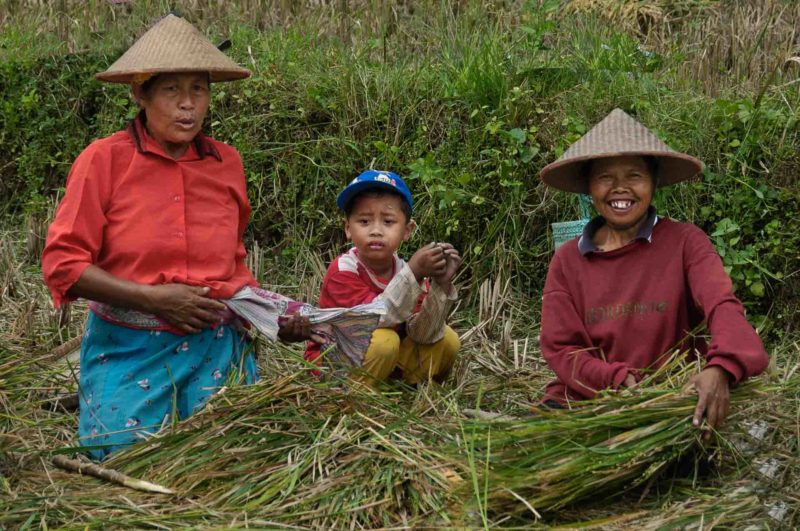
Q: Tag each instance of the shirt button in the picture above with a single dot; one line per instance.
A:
(177, 198)
(179, 234)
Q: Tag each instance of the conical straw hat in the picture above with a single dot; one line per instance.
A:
(172, 45)
(617, 134)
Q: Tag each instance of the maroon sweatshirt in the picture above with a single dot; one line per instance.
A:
(606, 314)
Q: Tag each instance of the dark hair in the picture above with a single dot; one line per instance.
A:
(378, 192)
(148, 84)
(652, 166)
(650, 161)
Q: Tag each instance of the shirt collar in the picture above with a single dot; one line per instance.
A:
(379, 281)
(586, 244)
(143, 142)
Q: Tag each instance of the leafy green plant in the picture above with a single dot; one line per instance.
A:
(468, 106)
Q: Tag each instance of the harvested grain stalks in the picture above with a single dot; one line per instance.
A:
(555, 459)
(292, 451)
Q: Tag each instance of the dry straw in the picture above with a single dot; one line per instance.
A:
(292, 451)
(295, 452)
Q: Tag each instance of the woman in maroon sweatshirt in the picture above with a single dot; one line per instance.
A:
(635, 286)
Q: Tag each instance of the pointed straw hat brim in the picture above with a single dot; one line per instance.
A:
(172, 45)
(618, 135)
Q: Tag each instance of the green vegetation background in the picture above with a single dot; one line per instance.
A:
(467, 100)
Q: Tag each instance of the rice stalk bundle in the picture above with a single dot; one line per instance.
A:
(524, 468)
(284, 452)
(706, 507)
(292, 451)
(696, 507)
(27, 383)
(761, 489)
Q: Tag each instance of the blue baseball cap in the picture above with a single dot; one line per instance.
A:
(371, 180)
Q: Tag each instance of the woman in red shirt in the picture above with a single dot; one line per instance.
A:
(150, 231)
(635, 287)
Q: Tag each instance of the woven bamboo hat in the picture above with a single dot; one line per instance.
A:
(172, 45)
(616, 135)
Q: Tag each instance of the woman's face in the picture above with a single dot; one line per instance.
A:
(621, 189)
(175, 105)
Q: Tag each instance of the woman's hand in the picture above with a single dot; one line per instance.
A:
(295, 327)
(629, 381)
(713, 397)
(187, 308)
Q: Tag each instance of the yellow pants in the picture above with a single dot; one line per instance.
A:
(418, 362)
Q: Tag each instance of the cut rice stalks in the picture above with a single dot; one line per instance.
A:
(289, 452)
(526, 468)
(293, 451)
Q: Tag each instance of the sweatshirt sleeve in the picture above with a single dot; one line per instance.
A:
(75, 237)
(565, 342)
(735, 345)
(428, 325)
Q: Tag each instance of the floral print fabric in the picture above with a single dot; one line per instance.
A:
(133, 382)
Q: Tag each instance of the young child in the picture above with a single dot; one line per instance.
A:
(413, 340)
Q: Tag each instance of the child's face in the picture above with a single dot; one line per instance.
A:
(377, 226)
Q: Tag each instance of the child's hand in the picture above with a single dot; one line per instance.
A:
(453, 264)
(428, 261)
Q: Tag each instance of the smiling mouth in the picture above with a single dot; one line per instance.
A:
(621, 205)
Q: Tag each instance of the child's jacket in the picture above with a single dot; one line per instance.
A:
(422, 308)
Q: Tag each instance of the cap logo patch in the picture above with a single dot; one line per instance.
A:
(384, 179)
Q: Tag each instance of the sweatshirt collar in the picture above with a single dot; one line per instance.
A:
(145, 144)
(586, 242)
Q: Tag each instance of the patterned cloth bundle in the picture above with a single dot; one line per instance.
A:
(348, 330)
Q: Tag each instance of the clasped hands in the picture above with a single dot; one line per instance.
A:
(439, 261)
(191, 310)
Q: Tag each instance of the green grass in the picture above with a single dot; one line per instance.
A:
(468, 106)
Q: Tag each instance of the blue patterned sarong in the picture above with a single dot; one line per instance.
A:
(133, 382)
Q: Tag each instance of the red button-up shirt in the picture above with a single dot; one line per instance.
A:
(140, 215)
